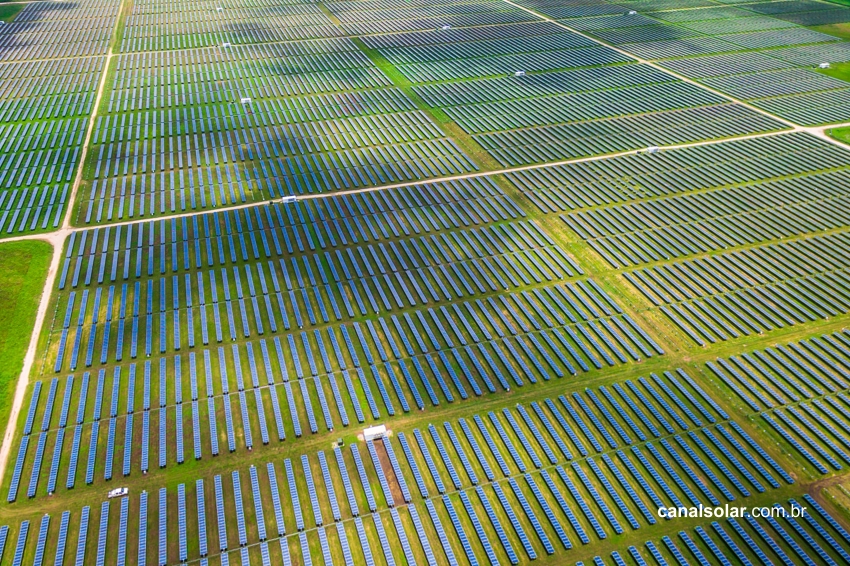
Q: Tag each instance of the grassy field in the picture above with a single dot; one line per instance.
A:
(837, 70)
(23, 268)
(839, 30)
(8, 12)
(841, 134)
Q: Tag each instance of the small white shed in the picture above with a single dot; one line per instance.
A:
(373, 432)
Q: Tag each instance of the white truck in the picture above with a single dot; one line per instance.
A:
(117, 492)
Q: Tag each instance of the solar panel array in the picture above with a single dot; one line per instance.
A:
(51, 63)
(163, 99)
(690, 438)
(770, 197)
(571, 112)
(516, 337)
(758, 53)
(801, 295)
(303, 320)
(788, 536)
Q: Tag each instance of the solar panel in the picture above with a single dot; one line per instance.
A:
(265, 557)
(293, 494)
(36, 467)
(95, 428)
(219, 508)
(33, 407)
(16, 473)
(261, 417)
(181, 523)
(145, 441)
(143, 528)
(308, 406)
(429, 461)
(495, 523)
(603, 479)
(383, 539)
(689, 471)
(102, 534)
(718, 464)
(414, 467)
(38, 558)
(246, 422)
(352, 394)
(482, 460)
(382, 479)
(343, 542)
(547, 510)
(441, 533)
(827, 517)
(258, 503)
(532, 518)
(491, 445)
(364, 541)
(278, 417)
(196, 431)
(20, 545)
(346, 482)
(240, 511)
(397, 470)
(122, 531)
(83, 536)
(470, 472)
(306, 558)
(323, 402)
(110, 449)
(323, 544)
(591, 518)
(461, 533)
(163, 418)
(594, 420)
(61, 541)
(284, 551)
(162, 513)
(48, 405)
(672, 473)
(228, 421)
(741, 450)
(278, 510)
(293, 409)
(402, 537)
(364, 478)
(497, 424)
(201, 502)
(644, 485)
(329, 486)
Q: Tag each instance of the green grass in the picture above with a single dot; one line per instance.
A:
(9, 11)
(23, 269)
(840, 134)
(837, 70)
(838, 30)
